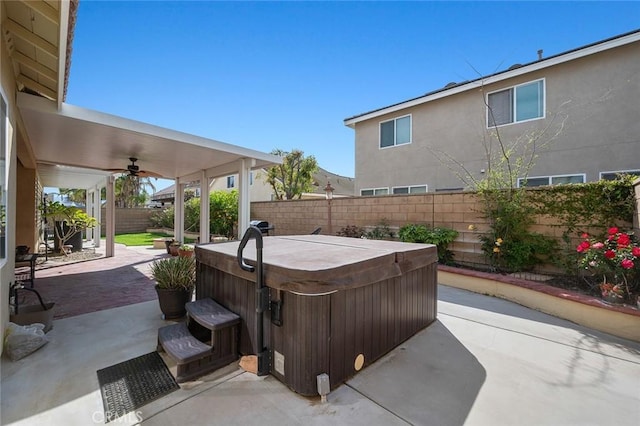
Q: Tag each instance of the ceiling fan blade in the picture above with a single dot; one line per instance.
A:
(146, 173)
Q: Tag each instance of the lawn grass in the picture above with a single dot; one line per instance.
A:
(143, 238)
(139, 239)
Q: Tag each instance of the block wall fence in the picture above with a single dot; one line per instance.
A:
(452, 210)
(131, 220)
(456, 210)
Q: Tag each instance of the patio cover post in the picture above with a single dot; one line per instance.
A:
(204, 207)
(97, 213)
(178, 216)
(111, 218)
(89, 209)
(244, 200)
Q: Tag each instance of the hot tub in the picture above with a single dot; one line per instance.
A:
(336, 304)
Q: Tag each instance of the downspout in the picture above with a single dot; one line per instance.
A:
(262, 295)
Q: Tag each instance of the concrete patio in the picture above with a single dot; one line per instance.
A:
(485, 361)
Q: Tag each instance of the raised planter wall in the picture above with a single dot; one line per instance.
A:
(592, 312)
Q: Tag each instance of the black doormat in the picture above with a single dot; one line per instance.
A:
(131, 384)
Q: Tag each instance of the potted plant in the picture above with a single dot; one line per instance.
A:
(174, 246)
(616, 258)
(68, 222)
(168, 243)
(185, 250)
(175, 280)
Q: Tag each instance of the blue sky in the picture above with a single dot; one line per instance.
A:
(267, 75)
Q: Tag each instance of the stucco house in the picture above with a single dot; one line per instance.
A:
(578, 110)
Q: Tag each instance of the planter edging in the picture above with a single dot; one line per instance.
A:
(622, 321)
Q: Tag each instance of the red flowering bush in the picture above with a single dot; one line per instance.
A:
(616, 257)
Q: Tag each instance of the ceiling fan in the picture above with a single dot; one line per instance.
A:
(134, 170)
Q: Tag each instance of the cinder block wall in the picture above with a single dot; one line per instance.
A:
(636, 217)
(458, 210)
(129, 220)
(451, 210)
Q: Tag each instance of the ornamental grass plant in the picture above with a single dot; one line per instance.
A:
(174, 273)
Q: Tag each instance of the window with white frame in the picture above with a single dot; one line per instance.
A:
(395, 132)
(231, 181)
(4, 179)
(614, 175)
(519, 103)
(551, 180)
(374, 191)
(413, 189)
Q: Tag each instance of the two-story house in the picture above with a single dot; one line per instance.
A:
(260, 190)
(578, 112)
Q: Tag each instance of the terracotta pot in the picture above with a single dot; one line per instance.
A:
(173, 301)
(173, 250)
(185, 253)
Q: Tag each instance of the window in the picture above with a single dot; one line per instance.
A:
(551, 180)
(560, 180)
(231, 181)
(415, 189)
(395, 132)
(4, 118)
(374, 191)
(515, 104)
(614, 175)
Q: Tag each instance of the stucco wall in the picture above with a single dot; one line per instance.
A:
(8, 86)
(27, 208)
(590, 126)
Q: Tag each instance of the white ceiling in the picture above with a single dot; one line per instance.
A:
(86, 139)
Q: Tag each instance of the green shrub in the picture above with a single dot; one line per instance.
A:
(440, 237)
(163, 218)
(380, 232)
(509, 245)
(351, 231)
(223, 214)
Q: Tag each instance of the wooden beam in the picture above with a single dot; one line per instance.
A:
(34, 85)
(36, 66)
(43, 9)
(32, 38)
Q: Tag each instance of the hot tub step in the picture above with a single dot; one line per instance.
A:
(190, 354)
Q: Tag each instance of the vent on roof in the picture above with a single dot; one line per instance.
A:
(514, 66)
(453, 83)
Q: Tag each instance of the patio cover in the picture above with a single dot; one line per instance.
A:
(74, 147)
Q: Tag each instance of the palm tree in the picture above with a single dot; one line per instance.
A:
(77, 196)
(131, 191)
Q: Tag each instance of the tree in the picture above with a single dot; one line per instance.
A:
(68, 221)
(77, 196)
(131, 191)
(294, 176)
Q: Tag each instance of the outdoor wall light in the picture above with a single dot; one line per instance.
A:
(328, 191)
